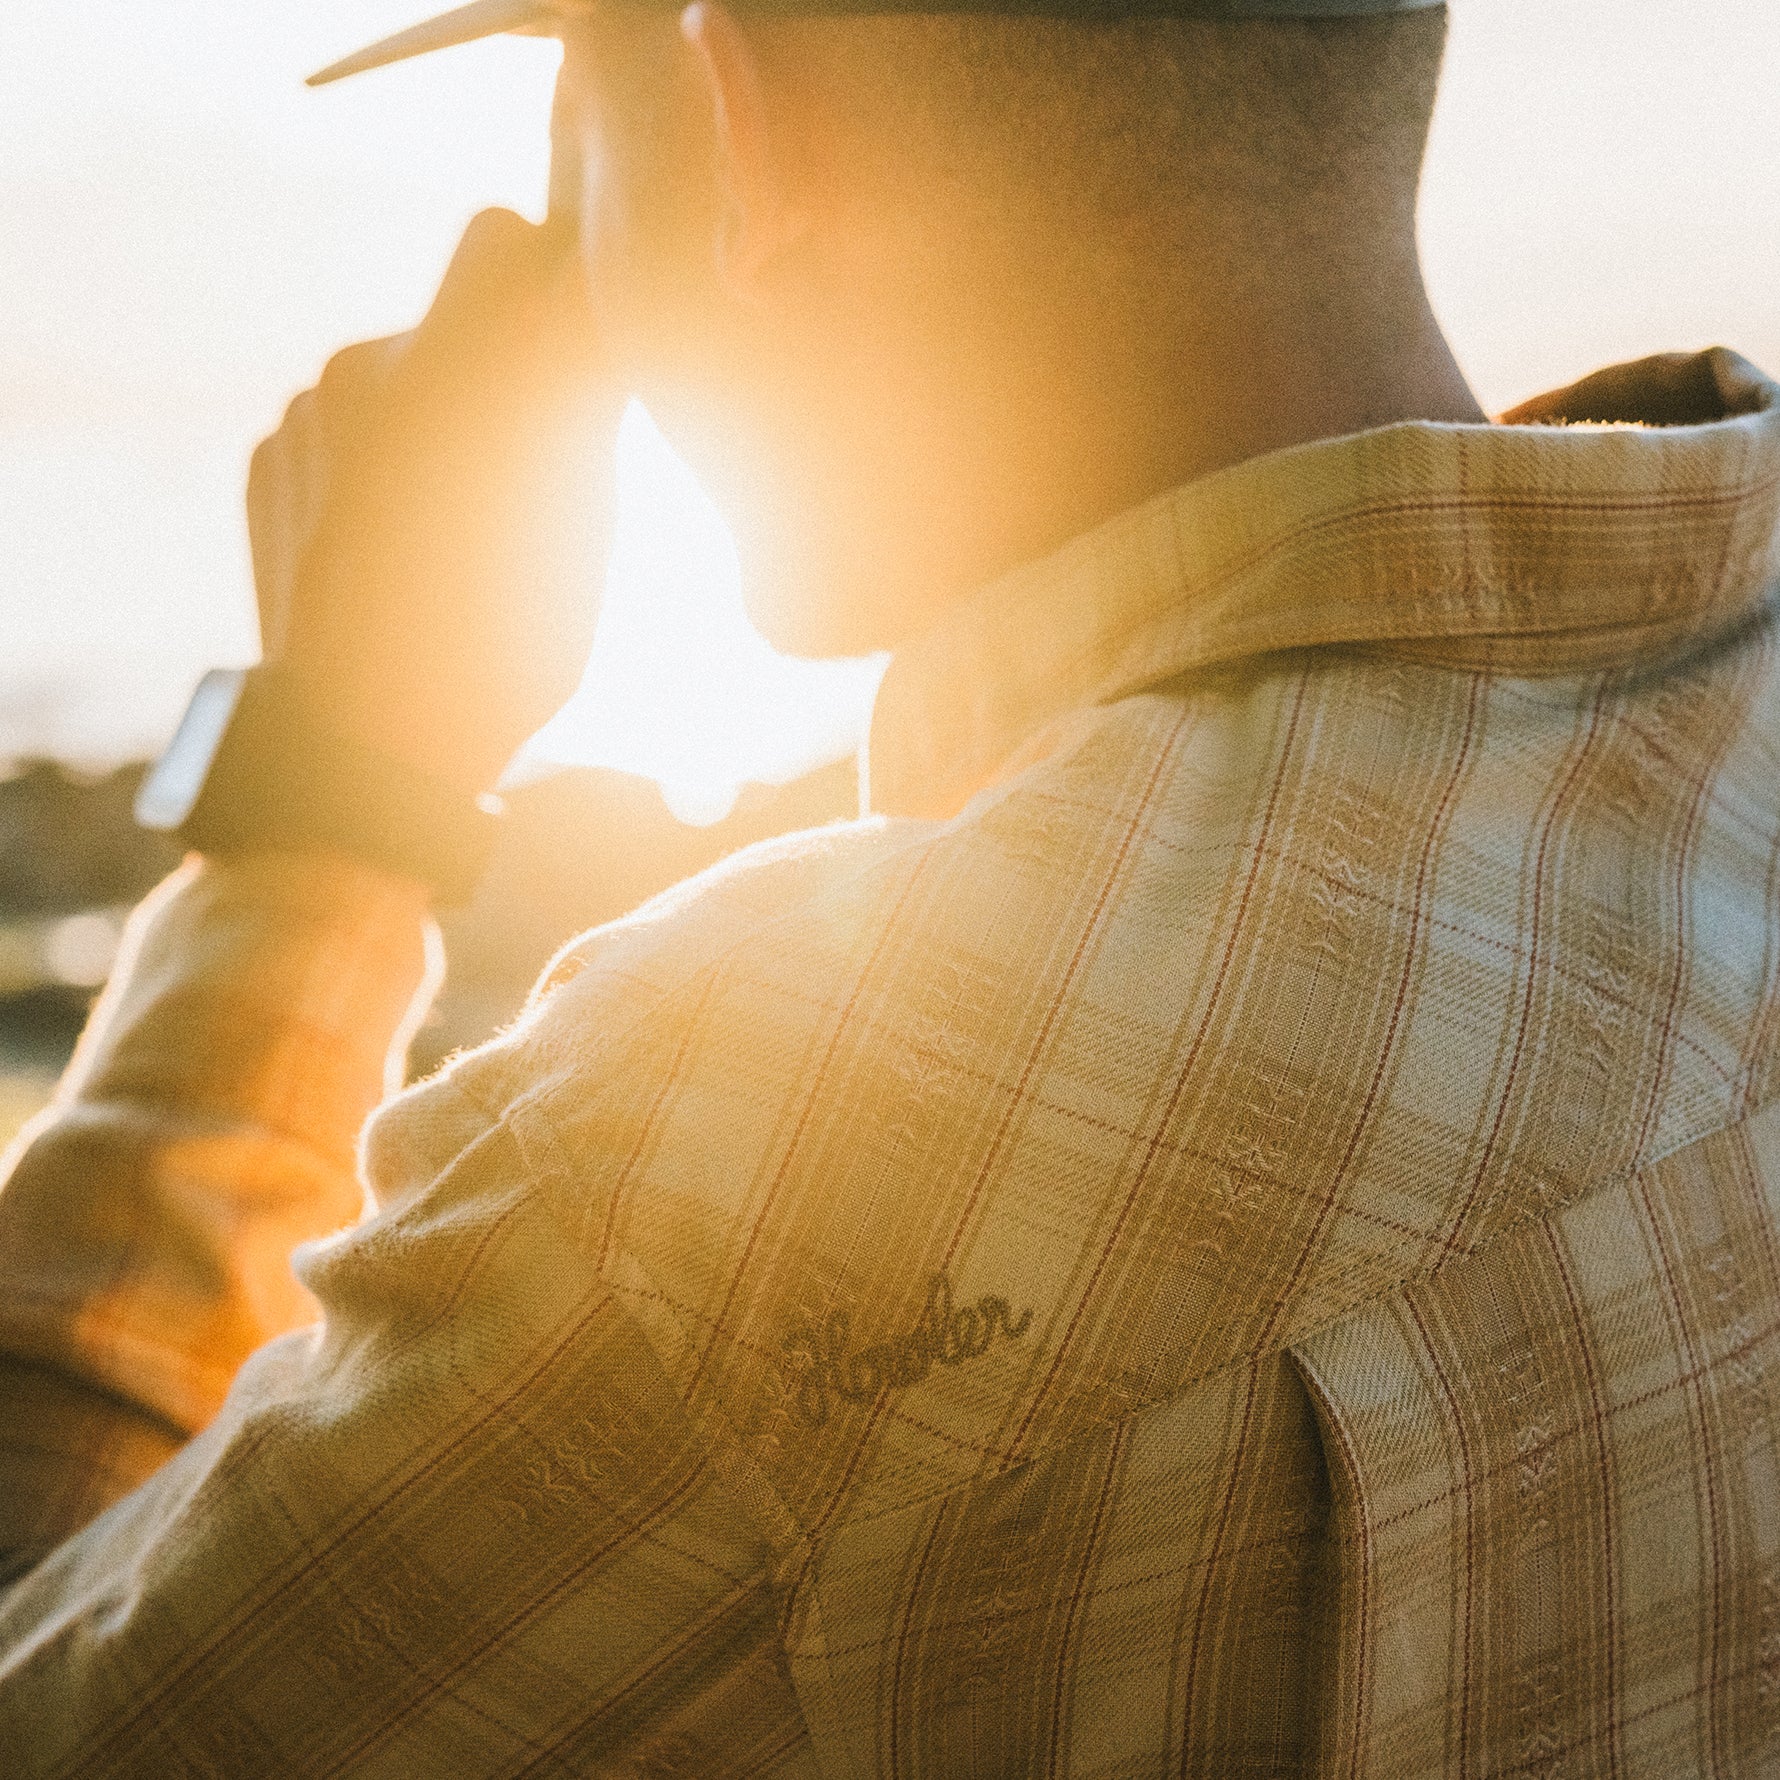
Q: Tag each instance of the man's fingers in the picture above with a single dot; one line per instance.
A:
(366, 363)
(417, 519)
(512, 307)
(493, 238)
(501, 259)
(286, 486)
(563, 215)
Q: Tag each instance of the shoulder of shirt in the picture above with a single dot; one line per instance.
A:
(761, 887)
(1402, 845)
(881, 983)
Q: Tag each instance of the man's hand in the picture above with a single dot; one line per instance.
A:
(428, 523)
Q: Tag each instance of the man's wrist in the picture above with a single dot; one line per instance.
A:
(254, 769)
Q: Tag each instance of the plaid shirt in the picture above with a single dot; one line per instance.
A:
(1233, 1230)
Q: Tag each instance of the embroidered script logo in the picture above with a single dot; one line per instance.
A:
(821, 1363)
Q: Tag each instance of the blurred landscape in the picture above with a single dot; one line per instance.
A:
(71, 864)
(579, 847)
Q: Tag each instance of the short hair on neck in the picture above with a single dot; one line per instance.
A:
(1139, 118)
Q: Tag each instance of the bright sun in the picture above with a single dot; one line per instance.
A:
(680, 686)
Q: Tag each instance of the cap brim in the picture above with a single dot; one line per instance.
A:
(490, 18)
(481, 18)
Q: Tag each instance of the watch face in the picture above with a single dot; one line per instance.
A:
(170, 791)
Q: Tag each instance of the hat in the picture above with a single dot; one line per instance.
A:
(544, 18)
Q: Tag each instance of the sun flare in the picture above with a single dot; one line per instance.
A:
(680, 686)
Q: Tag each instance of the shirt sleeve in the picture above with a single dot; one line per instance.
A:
(208, 1124)
(461, 1524)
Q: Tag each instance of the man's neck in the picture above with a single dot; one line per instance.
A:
(1106, 431)
(997, 430)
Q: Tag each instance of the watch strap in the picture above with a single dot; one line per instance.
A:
(283, 779)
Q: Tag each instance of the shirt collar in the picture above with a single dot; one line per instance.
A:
(1587, 533)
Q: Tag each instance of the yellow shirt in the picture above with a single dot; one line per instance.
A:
(1231, 1230)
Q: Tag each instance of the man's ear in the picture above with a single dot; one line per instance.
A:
(761, 217)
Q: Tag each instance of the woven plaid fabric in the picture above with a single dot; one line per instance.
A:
(1232, 1230)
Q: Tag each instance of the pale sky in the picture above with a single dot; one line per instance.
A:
(186, 232)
